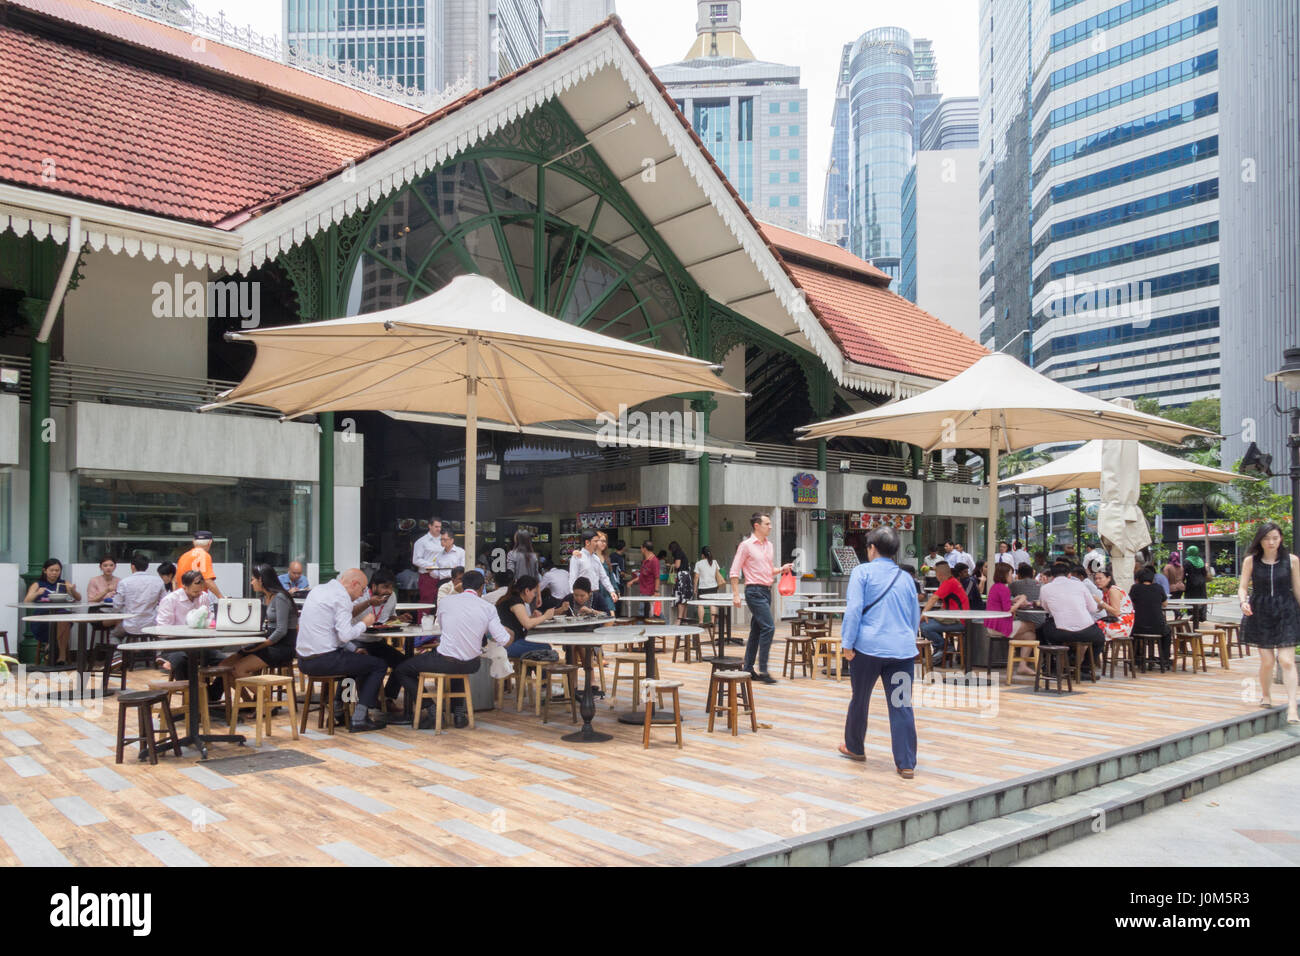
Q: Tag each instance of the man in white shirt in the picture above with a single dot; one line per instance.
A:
(448, 558)
(464, 619)
(1020, 555)
(1069, 607)
(585, 564)
(553, 588)
(325, 627)
(381, 599)
(422, 555)
(452, 584)
(137, 597)
(958, 556)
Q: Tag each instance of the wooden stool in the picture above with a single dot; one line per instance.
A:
(530, 680)
(329, 685)
(739, 687)
(143, 701)
(825, 650)
(1146, 651)
(924, 655)
(1120, 649)
(1013, 659)
(1214, 639)
(798, 653)
(170, 687)
(568, 674)
(953, 654)
(995, 639)
(1082, 648)
(1189, 646)
(686, 642)
(657, 688)
(285, 670)
(208, 674)
(635, 660)
(1234, 637)
(442, 696)
(713, 640)
(264, 687)
(1053, 657)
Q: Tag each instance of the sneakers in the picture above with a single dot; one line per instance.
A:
(364, 726)
(460, 720)
(764, 678)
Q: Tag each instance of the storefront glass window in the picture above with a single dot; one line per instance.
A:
(6, 536)
(252, 520)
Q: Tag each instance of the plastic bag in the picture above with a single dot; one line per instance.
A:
(197, 617)
(787, 584)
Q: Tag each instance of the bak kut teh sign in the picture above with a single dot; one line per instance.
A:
(886, 494)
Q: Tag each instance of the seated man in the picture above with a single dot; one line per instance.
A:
(1069, 609)
(580, 603)
(553, 588)
(173, 609)
(381, 599)
(453, 585)
(296, 580)
(137, 597)
(465, 619)
(325, 627)
(951, 596)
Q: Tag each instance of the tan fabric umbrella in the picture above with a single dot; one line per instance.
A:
(1120, 522)
(433, 355)
(1000, 404)
(1082, 468)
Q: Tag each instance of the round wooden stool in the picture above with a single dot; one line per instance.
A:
(143, 701)
(1053, 657)
(208, 674)
(264, 687)
(1120, 650)
(656, 689)
(329, 685)
(739, 688)
(442, 695)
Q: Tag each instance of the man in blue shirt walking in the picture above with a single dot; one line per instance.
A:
(881, 622)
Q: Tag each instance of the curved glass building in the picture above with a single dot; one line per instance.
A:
(880, 143)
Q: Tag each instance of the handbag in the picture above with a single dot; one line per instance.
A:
(239, 614)
(787, 585)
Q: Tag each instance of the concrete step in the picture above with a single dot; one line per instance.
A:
(990, 811)
(1025, 833)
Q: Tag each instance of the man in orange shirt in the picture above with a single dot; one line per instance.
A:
(198, 559)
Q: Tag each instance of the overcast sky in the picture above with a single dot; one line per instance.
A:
(806, 33)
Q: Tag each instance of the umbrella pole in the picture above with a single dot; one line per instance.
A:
(993, 504)
(471, 455)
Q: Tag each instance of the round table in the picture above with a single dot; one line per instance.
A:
(83, 620)
(647, 599)
(974, 635)
(722, 604)
(414, 607)
(583, 643)
(578, 624)
(192, 640)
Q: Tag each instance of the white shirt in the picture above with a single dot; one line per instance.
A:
(933, 558)
(176, 606)
(708, 572)
(444, 562)
(1097, 612)
(137, 597)
(1094, 560)
(584, 564)
(382, 614)
(325, 623)
(956, 557)
(425, 548)
(1005, 558)
(556, 581)
(1069, 603)
(1022, 557)
(464, 619)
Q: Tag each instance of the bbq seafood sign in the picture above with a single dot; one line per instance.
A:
(886, 494)
(804, 488)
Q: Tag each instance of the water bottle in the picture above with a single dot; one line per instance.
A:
(426, 623)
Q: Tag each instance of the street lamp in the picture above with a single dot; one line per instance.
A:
(1289, 376)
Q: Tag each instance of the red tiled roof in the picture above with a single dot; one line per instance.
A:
(126, 134)
(174, 43)
(878, 328)
(827, 252)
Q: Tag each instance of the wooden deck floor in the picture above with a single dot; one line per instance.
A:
(512, 792)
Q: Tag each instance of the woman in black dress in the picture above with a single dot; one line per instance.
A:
(1271, 612)
(683, 589)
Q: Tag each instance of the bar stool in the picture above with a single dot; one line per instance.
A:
(1189, 646)
(657, 688)
(1013, 659)
(1120, 650)
(687, 642)
(264, 687)
(739, 688)
(568, 674)
(1234, 637)
(1146, 651)
(442, 696)
(208, 674)
(169, 687)
(329, 685)
(143, 701)
(1214, 639)
(1053, 657)
(798, 653)
(1082, 648)
(924, 655)
(828, 650)
(634, 660)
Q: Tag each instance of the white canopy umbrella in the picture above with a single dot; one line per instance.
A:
(431, 355)
(1000, 404)
(1081, 468)
(1120, 522)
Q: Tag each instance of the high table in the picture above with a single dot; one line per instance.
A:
(721, 604)
(648, 599)
(84, 620)
(583, 644)
(414, 607)
(829, 610)
(975, 638)
(578, 624)
(192, 640)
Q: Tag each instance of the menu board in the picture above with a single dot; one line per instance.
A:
(846, 558)
(653, 517)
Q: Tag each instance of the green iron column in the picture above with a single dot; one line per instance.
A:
(704, 406)
(326, 438)
(823, 548)
(38, 447)
(821, 392)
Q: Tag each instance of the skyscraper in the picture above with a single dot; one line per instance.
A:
(566, 19)
(880, 143)
(427, 44)
(752, 115)
(1099, 185)
(835, 199)
(925, 86)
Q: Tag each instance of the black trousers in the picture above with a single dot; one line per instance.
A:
(366, 671)
(433, 663)
(1049, 633)
(393, 657)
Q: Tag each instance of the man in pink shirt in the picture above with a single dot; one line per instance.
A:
(755, 561)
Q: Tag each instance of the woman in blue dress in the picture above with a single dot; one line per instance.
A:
(49, 583)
